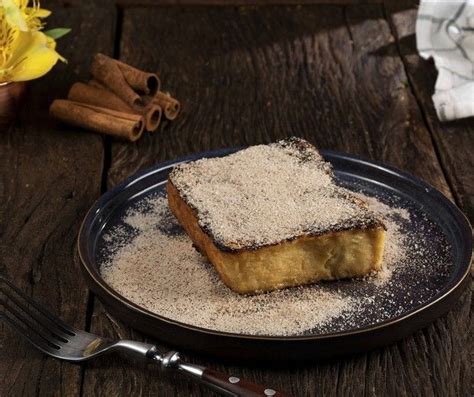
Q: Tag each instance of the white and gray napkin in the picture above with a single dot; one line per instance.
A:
(445, 32)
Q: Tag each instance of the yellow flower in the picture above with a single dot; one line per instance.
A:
(26, 53)
(32, 56)
(25, 18)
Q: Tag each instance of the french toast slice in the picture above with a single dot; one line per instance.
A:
(271, 216)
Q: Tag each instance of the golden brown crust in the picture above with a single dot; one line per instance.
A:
(301, 261)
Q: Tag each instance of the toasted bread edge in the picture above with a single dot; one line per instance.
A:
(307, 259)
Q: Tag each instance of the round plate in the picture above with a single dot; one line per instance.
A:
(436, 217)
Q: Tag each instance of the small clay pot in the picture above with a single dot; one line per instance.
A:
(11, 98)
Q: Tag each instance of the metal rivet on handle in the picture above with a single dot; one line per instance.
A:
(269, 392)
(234, 379)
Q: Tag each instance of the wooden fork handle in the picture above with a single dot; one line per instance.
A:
(238, 387)
(224, 383)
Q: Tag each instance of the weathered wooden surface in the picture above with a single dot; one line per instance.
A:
(332, 74)
(256, 75)
(127, 3)
(454, 140)
(50, 175)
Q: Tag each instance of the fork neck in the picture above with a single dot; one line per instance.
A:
(169, 360)
(144, 350)
(172, 360)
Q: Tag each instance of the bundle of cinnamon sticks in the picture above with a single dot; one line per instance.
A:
(120, 100)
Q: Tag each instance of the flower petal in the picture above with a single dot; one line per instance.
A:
(51, 43)
(14, 16)
(39, 12)
(32, 57)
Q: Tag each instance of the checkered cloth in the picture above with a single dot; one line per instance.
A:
(445, 32)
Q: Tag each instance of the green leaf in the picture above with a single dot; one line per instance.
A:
(57, 32)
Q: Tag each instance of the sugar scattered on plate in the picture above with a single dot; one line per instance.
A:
(153, 263)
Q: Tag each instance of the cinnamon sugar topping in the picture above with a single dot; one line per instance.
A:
(159, 269)
(266, 194)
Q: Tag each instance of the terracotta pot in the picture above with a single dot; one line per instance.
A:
(11, 97)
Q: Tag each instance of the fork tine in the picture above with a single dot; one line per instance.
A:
(47, 320)
(30, 337)
(29, 322)
(30, 334)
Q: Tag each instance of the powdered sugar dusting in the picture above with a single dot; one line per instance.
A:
(159, 270)
(166, 275)
(266, 194)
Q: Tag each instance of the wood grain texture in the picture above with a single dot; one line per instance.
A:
(247, 76)
(454, 140)
(244, 75)
(251, 75)
(50, 174)
(145, 3)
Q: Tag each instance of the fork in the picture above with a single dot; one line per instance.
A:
(57, 339)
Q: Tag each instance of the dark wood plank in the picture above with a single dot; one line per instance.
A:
(142, 3)
(454, 140)
(246, 76)
(50, 174)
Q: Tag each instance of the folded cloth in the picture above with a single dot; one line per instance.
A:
(445, 32)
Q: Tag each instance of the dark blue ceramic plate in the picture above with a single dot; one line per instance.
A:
(410, 301)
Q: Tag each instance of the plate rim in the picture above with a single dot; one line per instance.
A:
(92, 270)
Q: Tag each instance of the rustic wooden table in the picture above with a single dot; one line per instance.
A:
(343, 76)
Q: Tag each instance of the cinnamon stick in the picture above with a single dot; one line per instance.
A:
(96, 94)
(122, 79)
(153, 113)
(108, 72)
(148, 83)
(106, 121)
(97, 84)
(170, 105)
(85, 93)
